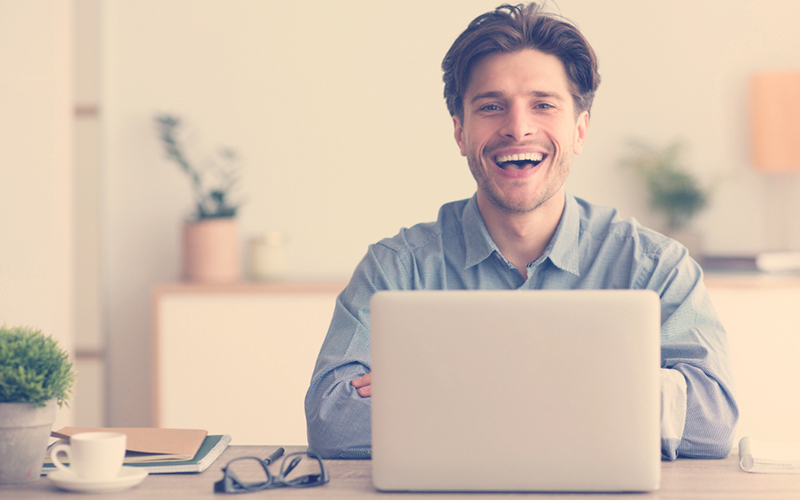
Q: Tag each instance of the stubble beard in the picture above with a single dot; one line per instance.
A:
(522, 202)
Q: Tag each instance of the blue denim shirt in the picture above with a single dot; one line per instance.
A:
(591, 249)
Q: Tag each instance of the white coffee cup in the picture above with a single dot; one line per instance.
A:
(92, 455)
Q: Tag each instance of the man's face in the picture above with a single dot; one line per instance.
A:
(519, 130)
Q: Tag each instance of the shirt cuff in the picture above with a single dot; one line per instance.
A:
(673, 404)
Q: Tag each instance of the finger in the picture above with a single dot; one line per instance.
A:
(362, 381)
(365, 392)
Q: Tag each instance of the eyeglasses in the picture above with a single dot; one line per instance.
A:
(248, 474)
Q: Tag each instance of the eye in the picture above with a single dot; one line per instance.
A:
(490, 107)
(544, 105)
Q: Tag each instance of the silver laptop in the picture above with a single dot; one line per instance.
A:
(516, 390)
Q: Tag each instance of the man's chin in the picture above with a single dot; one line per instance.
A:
(512, 205)
(518, 203)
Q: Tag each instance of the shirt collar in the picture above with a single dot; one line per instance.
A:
(476, 237)
(563, 250)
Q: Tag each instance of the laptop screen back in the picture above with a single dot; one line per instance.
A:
(516, 390)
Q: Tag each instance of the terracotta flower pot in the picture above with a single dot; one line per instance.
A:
(211, 251)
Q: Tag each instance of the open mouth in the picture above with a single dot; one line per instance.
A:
(520, 161)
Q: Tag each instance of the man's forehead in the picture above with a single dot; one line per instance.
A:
(544, 74)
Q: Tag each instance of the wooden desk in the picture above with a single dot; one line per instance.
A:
(351, 479)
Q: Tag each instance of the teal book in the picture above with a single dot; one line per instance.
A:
(209, 451)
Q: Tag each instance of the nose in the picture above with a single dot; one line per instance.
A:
(518, 123)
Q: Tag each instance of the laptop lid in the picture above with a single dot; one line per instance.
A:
(516, 390)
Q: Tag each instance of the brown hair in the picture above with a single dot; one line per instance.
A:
(511, 28)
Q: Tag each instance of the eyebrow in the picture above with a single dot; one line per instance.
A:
(495, 94)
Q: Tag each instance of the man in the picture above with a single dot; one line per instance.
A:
(519, 84)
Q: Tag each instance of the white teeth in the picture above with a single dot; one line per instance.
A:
(534, 157)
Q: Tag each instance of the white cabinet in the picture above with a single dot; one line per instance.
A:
(761, 314)
(237, 360)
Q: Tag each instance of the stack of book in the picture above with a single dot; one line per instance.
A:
(158, 451)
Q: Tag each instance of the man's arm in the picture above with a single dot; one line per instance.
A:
(338, 419)
(338, 415)
(694, 354)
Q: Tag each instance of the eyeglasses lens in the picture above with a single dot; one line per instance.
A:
(248, 472)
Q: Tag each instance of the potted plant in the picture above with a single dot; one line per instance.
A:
(35, 376)
(210, 235)
(673, 190)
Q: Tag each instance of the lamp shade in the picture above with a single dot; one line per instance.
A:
(775, 121)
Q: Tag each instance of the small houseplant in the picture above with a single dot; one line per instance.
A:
(210, 235)
(673, 190)
(212, 184)
(35, 376)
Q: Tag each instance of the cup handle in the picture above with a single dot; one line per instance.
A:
(54, 456)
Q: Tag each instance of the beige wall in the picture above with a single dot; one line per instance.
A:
(36, 252)
(337, 111)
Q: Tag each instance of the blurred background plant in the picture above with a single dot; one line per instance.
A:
(673, 190)
(212, 180)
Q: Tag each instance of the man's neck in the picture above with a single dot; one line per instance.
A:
(522, 237)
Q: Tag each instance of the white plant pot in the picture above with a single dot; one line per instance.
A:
(211, 251)
(24, 432)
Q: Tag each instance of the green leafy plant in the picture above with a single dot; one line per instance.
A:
(33, 369)
(212, 182)
(673, 190)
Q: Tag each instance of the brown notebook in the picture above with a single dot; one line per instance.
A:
(150, 444)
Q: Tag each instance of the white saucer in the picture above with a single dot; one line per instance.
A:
(128, 477)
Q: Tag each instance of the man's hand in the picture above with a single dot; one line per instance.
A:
(363, 384)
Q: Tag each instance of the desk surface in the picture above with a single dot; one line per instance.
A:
(351, 479)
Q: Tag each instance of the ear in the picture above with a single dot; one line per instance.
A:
(458, 133)
(581, 129)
